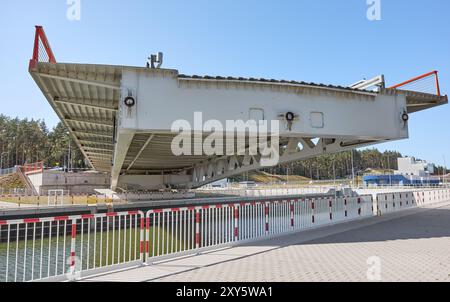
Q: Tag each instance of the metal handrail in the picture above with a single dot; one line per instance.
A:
(434, 72)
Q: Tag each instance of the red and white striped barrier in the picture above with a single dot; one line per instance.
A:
(177, 231)
(66, 246)
(63, 247)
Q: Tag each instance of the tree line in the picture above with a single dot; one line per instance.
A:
(25, 141)
(342, 165)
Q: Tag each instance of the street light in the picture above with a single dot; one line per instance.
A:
(353, 169)
(389, 170)
(445, 171)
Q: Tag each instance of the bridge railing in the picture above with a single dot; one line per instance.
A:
(65, 248)
(72, 247)
(179, 231)
(394, 202)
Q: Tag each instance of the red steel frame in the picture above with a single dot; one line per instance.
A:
(40, 35)
(33, 168)
(435, 72)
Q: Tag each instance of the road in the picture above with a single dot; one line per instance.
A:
(412, 245)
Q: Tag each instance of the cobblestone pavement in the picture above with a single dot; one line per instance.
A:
(409, 246)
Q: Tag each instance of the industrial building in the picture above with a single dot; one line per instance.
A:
(411, 172)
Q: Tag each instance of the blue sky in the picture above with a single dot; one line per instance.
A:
(327, 41)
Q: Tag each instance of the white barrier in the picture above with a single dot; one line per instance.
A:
(179, 231)
(61, 248)
(393, 202)
(267, 192)
(68, 247)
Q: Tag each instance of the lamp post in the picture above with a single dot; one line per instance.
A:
(389, 170)
(353, 169)
(69, 160)
(445, 171)
(334, 172)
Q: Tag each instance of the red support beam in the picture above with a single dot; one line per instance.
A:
(435, 73)
(41, 37)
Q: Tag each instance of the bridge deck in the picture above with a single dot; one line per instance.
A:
(413, 245)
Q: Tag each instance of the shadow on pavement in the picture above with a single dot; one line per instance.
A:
(423, 224)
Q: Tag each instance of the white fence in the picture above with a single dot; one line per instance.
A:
(176, 231)
(8, 171)
(61, 248)
(70, 247)
(394, 202)
(266, 192)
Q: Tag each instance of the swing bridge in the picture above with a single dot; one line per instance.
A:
(121, 116)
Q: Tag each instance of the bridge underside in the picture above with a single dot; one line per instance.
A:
(133, 143)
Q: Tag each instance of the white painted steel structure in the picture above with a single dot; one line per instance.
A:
(134, 143)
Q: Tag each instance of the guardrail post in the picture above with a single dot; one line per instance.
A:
(292, 214)
(236, 223)
(142, 238)
(266, 213)
(72, 247)
(312, 211)
(147, 237)
(197, 228)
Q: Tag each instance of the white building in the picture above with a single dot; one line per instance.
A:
(409, 166)
(222, 184)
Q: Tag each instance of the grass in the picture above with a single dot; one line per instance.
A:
(11, 181)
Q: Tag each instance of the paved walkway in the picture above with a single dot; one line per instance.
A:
(412, 245)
